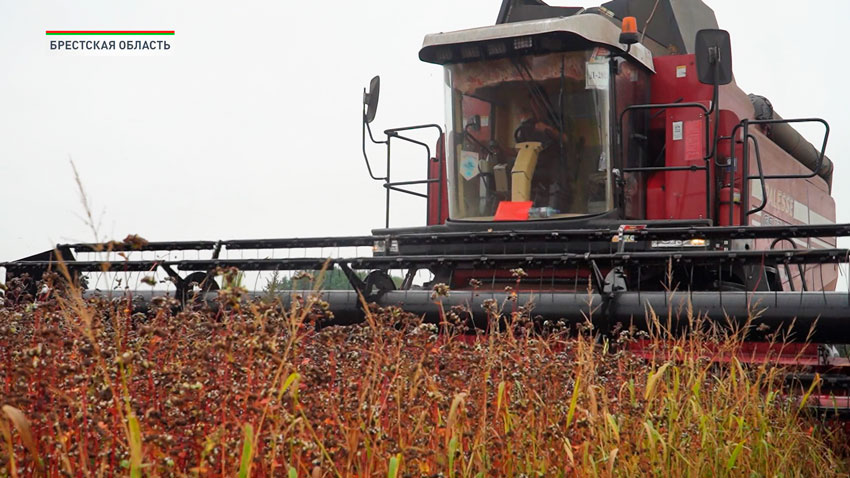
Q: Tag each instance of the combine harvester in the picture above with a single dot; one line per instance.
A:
(598, 162)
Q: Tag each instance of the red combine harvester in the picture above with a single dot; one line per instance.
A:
(599, 162)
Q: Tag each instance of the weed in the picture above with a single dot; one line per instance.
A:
(255, 389)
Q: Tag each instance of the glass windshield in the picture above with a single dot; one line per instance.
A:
(530, 137)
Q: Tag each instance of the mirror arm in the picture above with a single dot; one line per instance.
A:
(372, 138)
(715, 108)
(363, 143)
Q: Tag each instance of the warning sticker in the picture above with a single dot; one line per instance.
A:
(694, 140)
(681, 71)
(468, 164)
(677, 130)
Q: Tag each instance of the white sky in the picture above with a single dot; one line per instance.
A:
(250, 125)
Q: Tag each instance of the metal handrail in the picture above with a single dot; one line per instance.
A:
(706, 158)
(744, 125)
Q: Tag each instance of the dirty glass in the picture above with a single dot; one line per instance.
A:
(558, 102)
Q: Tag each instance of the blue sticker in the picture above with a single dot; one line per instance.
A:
(468, 164)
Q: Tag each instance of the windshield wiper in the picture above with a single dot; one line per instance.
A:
(537, 92)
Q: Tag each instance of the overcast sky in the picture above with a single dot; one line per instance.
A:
(250, 125)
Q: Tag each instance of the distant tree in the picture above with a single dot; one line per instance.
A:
(334, 279)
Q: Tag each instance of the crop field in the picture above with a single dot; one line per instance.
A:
(90, 387)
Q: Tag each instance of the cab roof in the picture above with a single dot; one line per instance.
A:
(529, 37)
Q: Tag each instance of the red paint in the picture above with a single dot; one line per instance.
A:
(438, 198)
(684, 195)
(679, 194)
(655, 203)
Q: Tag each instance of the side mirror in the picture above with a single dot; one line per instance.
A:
(370, 99)
(714, 57)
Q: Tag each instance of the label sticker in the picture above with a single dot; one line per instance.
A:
(681, 71)
(677, 131)
(468, 164)
(597, 76)
(694, 140)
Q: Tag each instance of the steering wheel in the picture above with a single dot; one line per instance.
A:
(520, 133)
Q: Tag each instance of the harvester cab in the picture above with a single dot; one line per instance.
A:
(530, 119)
(531, 116)
(569, 119)
(562, 113)
(592, 161)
